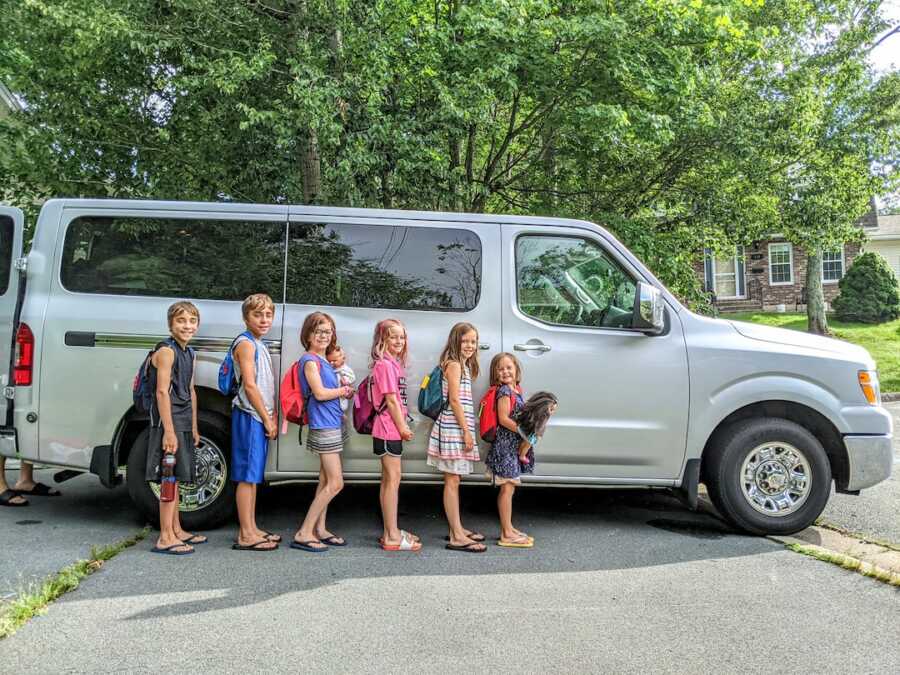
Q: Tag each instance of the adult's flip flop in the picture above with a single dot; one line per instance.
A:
(40, 490)
(467, 548)
(7, 496)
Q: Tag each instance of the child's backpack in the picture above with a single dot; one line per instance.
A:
(431, 394)
(141, 391)
(228, 383)
(364, 411)
(293, 405)
(487, 414)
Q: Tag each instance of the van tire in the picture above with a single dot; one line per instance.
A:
(774, 455)
(216, 445)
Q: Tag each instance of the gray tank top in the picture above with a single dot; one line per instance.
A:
(265, 380)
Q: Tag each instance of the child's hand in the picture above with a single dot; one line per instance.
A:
(271, 428)
(406, 433)
(196, 434)
(169, 442)
(348, 391)
(469, 440)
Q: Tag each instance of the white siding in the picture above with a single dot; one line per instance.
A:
(889, 249)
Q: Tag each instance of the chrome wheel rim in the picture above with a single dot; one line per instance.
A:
(776, 478)
(210, 469)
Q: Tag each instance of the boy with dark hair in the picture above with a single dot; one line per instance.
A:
(173, 422)
(253, 420)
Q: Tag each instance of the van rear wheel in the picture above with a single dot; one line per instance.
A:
(204, 504)
(768, 476)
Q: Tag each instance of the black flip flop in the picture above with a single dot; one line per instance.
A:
(333, 540)
(307, 546)
(7, 496)
(40, 490)
(191, 540)
(256, 546)
(474, 536)
(467, 548)
(271, 536)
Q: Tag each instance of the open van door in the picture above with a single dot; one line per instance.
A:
(12, 223)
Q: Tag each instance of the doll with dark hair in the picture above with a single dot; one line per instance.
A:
(532, 419)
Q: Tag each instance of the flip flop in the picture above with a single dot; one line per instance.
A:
(407, 543)
(40, 490)
(256, 546)
(466, 548)
(193, 539)
(7, 496)
(333, 540)
(308, 546)
(271, 536)
(170, 550)
(474, 536)
(527, 542)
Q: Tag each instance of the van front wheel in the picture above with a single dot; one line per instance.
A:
(204, 504)
(768, 476)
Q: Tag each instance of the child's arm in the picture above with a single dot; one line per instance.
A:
(453, 373)
(396, 412)
(322, 393)
(244, 353)
(162, 361)
(195, 430)
(503, 418)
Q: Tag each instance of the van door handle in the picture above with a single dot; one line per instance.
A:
(484, 345)
(532, 348)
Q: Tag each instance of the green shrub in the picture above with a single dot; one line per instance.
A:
(869, 291)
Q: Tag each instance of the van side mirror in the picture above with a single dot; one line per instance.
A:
(648, 309)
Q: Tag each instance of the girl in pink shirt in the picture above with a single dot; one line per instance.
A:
(390, 429)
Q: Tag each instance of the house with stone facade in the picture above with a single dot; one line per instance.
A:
(770, 274)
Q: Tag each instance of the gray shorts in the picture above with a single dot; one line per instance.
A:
(326, 441)
(184, 457)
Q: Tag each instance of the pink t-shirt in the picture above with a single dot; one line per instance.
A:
(388, 377)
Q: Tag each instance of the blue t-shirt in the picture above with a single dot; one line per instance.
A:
(322, 414)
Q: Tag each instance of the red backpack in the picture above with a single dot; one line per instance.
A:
(487, 414)
(293, 405)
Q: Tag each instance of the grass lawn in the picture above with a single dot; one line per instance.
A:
(882, 340)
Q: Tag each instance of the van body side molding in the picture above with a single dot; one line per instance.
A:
(147, 342)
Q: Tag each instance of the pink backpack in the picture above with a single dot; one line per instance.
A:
(364, 411)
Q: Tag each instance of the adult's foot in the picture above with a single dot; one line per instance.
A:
(11, 498)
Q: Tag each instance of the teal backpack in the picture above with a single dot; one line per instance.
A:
(431, 394)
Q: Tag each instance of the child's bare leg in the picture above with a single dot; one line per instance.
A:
(26, 476)
(388, 496)
(4, 486)
(249, 534)
(331, 465)
(168, 517)
(321, 529)
(458, 534)
(504, 508)
(523, 450)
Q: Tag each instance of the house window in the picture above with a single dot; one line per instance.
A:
(832, 265)
(781, 264)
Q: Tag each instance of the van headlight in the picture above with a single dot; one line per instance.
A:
(868, 382)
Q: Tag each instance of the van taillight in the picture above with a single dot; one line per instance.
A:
(24, 363)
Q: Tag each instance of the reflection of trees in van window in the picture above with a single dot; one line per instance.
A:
(383, 266)
(573, 282)
(201, 259)
(7, 231)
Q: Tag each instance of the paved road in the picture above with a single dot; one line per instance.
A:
(618, 581)
(876, 511)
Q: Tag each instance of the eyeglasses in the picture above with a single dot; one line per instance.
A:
(323, 333)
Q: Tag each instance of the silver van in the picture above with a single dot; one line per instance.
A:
(650, 393)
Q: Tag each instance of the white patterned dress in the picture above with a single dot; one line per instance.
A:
(446, 447)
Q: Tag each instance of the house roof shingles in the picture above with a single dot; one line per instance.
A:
(888, 228)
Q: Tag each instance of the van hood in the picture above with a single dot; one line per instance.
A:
(796, 338)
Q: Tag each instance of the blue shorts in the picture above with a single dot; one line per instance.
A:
(249, 448)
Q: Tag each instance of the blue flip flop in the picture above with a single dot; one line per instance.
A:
(170, 550)
(305, 546)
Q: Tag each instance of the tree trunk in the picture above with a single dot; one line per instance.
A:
(815, 297)
(312, 174)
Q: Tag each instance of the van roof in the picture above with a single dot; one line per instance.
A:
(304, 209)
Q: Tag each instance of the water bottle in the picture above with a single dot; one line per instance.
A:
(167, 488)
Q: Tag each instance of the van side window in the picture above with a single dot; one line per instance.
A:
(174, 257)
(7, 231)
(570, 281)
(384, 266)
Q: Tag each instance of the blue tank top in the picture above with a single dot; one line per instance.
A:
(322, 414)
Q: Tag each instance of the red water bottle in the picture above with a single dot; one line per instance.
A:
(167, 488)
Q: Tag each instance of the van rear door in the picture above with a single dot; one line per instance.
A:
(12, 222)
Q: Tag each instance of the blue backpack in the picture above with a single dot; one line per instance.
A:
(228, 383)
(431, 394)
(141, 391)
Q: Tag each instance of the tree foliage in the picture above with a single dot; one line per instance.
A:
(677, 124)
